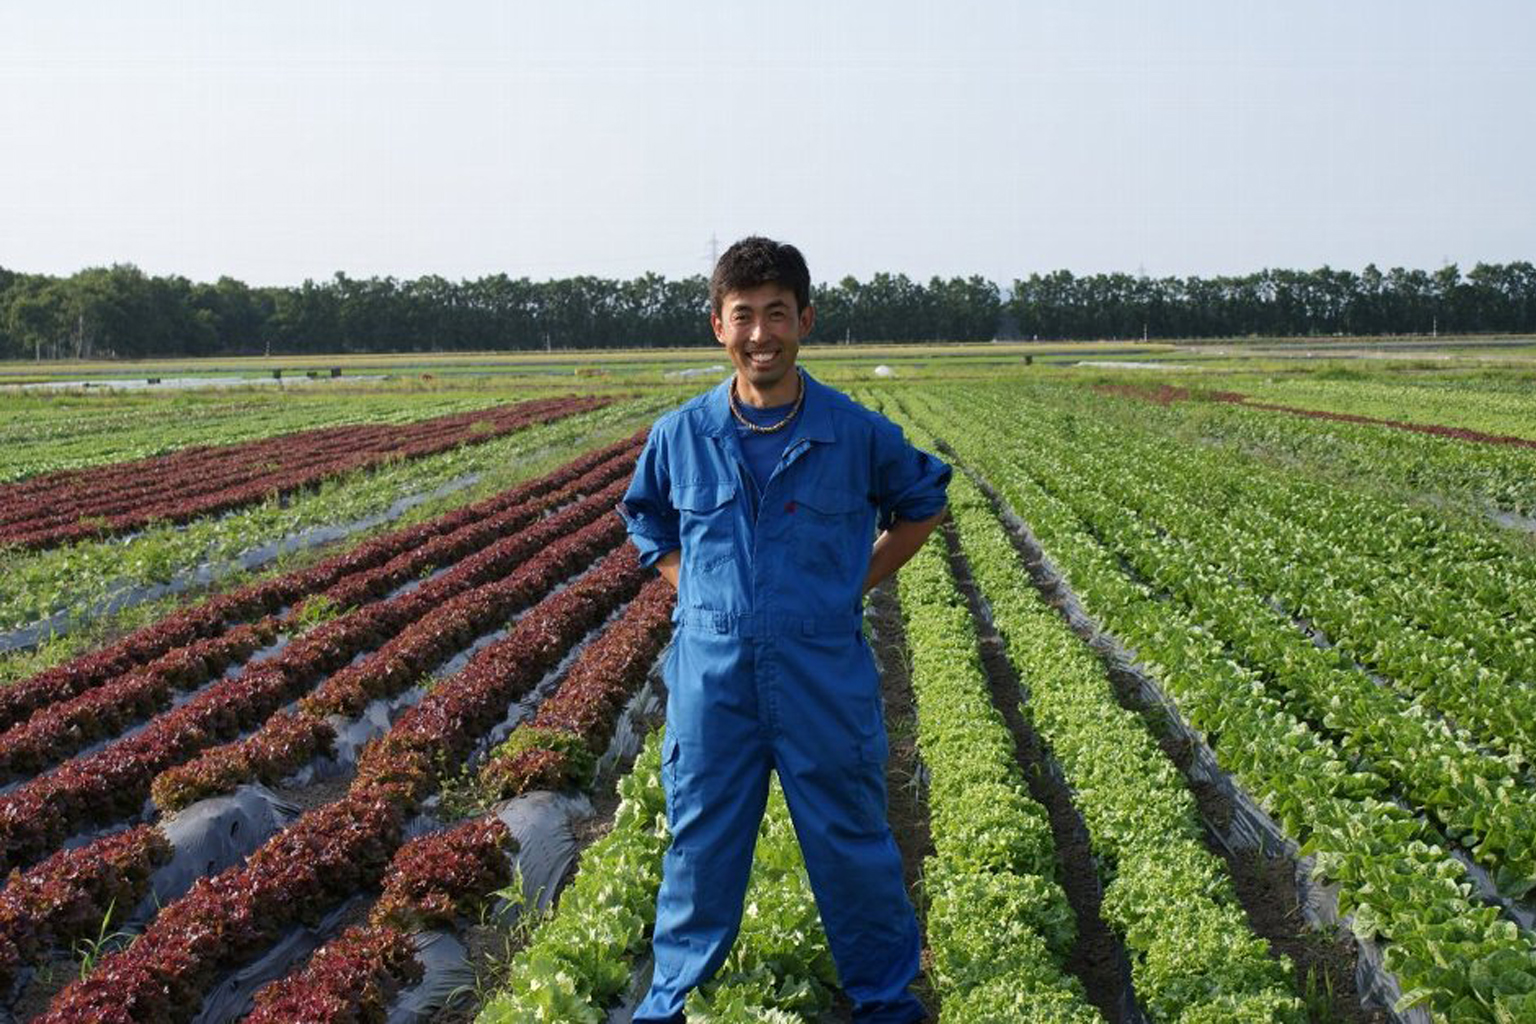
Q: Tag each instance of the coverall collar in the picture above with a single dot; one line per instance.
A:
(815, 415)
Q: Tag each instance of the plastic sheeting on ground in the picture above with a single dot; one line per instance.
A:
(543, 823)
(235, 993)
(210, 836)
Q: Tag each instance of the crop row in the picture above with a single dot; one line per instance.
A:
(432, 881)
(574, 725)
(187, 485)
(67, 896)
(999, 926)
(1433, 592)
(396, 556)
(113, 782)
(1193, 956)
(1480, 798)
(57, 731)
(344, 847)
(1454, 955)
(286, 742)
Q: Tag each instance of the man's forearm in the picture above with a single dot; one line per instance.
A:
(667, 565)
(896, 546)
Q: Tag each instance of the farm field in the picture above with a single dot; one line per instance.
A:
(1213, 701)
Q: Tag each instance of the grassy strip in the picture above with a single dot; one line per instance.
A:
(999, 925)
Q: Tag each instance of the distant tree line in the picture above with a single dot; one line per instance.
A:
(121, 312)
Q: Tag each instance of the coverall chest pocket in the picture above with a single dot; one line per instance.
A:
(706, 524)
(832, 529)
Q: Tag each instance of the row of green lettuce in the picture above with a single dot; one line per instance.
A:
(998, 924)
(1193, 956)
(583, 958)
(1454, 954)
(1233, 574)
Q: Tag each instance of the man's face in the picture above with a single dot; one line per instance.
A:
(761, 329)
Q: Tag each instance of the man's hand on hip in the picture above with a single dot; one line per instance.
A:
(896, 546)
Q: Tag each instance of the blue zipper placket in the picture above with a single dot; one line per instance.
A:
(766, 670)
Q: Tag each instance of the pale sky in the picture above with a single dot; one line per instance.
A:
(279, 140)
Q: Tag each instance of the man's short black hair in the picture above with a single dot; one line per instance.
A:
(756, 261)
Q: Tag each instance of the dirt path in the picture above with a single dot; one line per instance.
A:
(905, 778)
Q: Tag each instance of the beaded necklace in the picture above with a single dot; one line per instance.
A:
(799, 400)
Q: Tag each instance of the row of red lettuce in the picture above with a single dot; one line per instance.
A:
(137, 494)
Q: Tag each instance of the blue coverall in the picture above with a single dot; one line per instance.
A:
(770, 669)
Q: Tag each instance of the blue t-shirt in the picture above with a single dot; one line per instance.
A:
(761, 450)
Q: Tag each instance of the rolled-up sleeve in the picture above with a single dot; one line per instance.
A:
(911, 482)
(647, 508)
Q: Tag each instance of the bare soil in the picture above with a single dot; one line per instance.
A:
(905, 783)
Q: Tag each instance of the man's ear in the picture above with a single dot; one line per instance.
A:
(717, 325)
(807, 319)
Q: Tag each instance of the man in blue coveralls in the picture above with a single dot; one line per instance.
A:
(759, 500)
